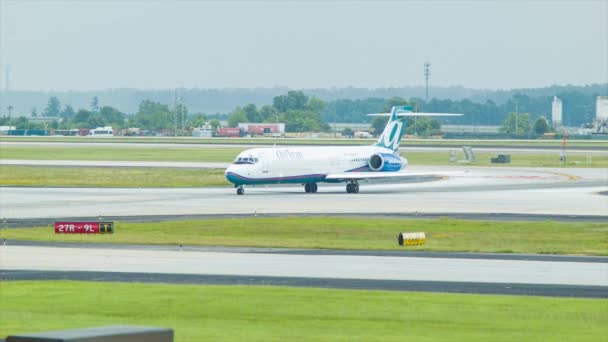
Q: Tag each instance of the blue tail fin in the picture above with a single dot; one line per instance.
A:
(395, 127)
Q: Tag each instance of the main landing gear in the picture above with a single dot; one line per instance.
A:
(240, 190)
(310, 187)
(352, 188)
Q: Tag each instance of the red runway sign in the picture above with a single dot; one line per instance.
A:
(84, 227)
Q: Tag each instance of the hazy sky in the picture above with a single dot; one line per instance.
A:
(83, 45)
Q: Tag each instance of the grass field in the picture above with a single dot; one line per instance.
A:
(110, 177)
(352, 233)
(120, 153)
(228, 154)
(520, 160)
(304, 141)
(237, 313)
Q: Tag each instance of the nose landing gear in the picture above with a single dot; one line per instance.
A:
(310, 187)
(240, 190)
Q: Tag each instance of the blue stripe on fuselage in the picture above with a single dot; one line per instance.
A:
(235, 178)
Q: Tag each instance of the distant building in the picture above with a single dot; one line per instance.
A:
(362, 134)
(18, 132)
(601, 115)
(66, 132)
(262, 128)
(472, 129)
(205, 131)
(232, 132)
(106, 131)
(4, 129)
(131, 132)
(556, 112)
(601, 108)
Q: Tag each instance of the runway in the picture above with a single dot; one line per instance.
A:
(443, 274)
(479, 190)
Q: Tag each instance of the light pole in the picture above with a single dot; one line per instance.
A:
(335, 118)
(427, 74)
(175, 112)
(182, 113)
(516, 115)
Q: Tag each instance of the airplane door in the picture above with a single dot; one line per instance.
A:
(264, 163)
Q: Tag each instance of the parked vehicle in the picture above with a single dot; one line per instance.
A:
(102, 132)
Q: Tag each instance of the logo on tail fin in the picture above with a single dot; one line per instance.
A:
(391, 136)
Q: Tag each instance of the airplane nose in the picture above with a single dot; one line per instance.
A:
(231, 175)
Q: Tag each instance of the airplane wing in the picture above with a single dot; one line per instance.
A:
(346, 176)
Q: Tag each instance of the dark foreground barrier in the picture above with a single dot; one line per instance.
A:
(502, 159)
(112, 333)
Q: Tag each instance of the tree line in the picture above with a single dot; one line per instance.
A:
(153, 116)
(578, 108)
(299, 112)
(303, 113)
(212, 101)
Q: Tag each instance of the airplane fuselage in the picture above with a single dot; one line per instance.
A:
(280, 165)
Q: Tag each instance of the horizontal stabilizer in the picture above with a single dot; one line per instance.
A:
(415, 114)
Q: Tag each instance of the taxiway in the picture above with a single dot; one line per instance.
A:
(480, 190)
(449, 273)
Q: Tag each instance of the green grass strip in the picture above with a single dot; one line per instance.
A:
(238, 313)
(545, 237)
(517, 160)
(76, 152)
(207, 154)
(110, 177)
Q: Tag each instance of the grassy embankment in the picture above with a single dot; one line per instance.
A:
(352, 233)
(238, 313)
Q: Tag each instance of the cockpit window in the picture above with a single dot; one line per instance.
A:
(245, 160)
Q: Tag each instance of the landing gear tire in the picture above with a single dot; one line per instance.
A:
(240, 191)
(352, 188)
(310, 187)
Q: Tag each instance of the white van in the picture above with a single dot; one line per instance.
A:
(102, 132)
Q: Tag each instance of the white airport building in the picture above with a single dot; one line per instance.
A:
(601, 115)
(556, 112)
(601, 108)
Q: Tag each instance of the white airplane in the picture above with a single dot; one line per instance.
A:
(327, 164)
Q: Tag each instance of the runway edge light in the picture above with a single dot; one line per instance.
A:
(411, 239)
